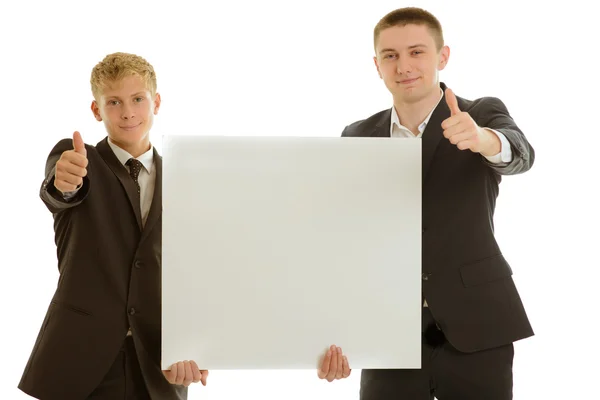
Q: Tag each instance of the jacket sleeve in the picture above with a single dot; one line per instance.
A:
(495, 116)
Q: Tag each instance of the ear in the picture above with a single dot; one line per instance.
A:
(377, 66)
(156, 103)
(96, 110)
(444, 55)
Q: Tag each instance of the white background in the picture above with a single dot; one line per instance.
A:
(305, 68)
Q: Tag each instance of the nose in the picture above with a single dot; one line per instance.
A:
(403, 66)
(127, 112)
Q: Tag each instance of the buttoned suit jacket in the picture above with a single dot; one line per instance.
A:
(467, 281)
(110, 280)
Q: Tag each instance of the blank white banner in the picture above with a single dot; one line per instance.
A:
(275, 248)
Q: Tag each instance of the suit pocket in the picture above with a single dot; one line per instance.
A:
(484, 271)
(69, 307)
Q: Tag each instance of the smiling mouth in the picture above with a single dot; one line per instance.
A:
(408, 81)
(128, 128)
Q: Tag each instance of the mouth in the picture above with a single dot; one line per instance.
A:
(130, 128)
(408, 81)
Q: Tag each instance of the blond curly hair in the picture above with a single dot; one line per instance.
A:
(117, 66)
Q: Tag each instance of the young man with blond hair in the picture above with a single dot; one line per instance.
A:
(471, 312)
(101, 337)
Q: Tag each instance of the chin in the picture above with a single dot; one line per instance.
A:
(127, 139)
(407, 96)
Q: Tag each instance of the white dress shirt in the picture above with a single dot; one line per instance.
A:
(146, 178)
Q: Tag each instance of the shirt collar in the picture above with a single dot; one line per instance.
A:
(147, 159)
(396, 121)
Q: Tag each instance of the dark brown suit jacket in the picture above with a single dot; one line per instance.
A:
(466, 280)
(110, 279)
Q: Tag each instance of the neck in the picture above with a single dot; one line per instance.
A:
(139, 151)
(412, 114)
(136, 149)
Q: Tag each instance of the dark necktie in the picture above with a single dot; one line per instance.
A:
(135, 167)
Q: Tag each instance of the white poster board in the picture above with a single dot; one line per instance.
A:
(275, 248)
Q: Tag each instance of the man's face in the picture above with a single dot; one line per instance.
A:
(127, 109)
(408, 62)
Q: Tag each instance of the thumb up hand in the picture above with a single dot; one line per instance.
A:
(71, 168)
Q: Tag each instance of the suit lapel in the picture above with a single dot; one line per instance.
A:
(156, 206)
(433, 133)
(382, 127)
(431, 136)
(121, 173)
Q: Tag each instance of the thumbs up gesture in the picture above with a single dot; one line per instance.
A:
(463, 132)
(71, 167)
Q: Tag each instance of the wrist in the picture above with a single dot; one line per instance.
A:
(492, 145)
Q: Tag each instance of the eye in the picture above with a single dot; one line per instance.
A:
(417, 52)
(139, 99)
(113, 102)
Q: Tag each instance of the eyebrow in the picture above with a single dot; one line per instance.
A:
(409, 47)
(133, 95)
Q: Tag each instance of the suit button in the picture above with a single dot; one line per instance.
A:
(137, 264)
(131, 311)
(426, 276)
(423, 230)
